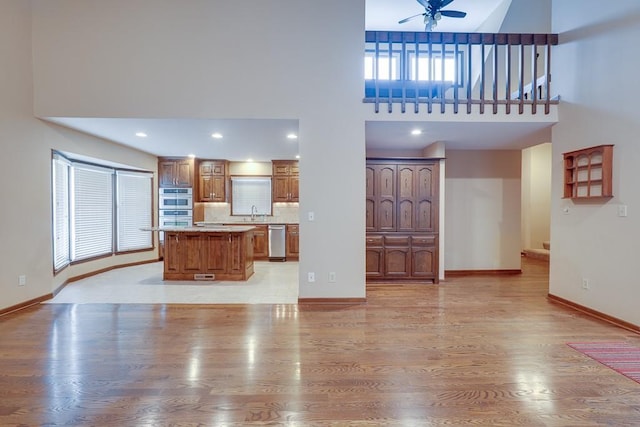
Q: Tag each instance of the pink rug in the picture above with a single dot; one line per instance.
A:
(619, 356)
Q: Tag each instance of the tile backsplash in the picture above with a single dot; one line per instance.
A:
(282, 213)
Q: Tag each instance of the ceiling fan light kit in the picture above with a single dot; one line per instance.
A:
(433, 13)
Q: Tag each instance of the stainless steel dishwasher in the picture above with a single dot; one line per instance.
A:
(277, 239)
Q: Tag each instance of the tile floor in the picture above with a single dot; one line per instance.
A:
(272, 283)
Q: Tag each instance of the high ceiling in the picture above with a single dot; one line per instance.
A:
(262, 140)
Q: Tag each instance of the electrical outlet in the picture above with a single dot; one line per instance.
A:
(311, 277)
(585, 283)
(332, 277)
(22, 280)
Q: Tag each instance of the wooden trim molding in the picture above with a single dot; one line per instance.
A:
(25, 304)
(332, 300)
(594, 313)
(463, 273)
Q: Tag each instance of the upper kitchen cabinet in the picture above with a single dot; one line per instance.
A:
(212, 180)
(175, 172)
(285, 180)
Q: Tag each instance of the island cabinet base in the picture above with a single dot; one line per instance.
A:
(192, 255)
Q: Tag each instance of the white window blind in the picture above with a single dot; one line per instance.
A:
(133, 210)
(250, 193)
(92, 207)
(60, 198)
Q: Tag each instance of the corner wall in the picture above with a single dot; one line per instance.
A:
(483, 210)
(26, 143)
(595, 69)
(536, 195)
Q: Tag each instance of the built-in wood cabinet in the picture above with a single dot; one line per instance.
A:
(588, 173)
(213, 177)
(229, 256)
(402, 199)
(285, 181)
(293, 242)
(261, 242)
(175, 172)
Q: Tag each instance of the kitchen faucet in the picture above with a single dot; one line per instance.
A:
(254, 211)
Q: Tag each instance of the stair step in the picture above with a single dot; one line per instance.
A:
(542, 254)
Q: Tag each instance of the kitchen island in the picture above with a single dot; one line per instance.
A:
(208, 253)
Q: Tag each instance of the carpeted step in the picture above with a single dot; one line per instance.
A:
(542, 254)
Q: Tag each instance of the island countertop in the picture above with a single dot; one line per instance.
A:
(206, 229)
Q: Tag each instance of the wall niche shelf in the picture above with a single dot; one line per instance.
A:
(588, 173)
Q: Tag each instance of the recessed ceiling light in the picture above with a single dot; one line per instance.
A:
(292, 136)
(141, 134)
(416, 132)
(249, 160)
(191, 156)
(297, 156)
(216, 135)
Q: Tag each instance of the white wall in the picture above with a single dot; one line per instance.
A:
(536, 195)
(214, 59)
(26, 143)
(595, 69)
(483, 210)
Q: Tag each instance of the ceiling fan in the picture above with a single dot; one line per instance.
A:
(433, 13)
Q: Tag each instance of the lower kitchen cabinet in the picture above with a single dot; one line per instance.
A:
(293, 242)
(229, 256)
(392, 257)
(261, 242)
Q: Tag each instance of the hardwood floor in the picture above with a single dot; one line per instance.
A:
(471, 351)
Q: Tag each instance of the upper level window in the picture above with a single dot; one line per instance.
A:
(425, 66)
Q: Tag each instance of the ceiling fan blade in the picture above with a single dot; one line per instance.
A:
(425, 3)
(445, 3)
(402, 21)
(453, 13)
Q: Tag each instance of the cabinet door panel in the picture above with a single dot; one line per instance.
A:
(166, 174)
(423, 262)
(205, 188)
(294, 185)
(171, 248)
(405, 215)
(424, 220)
(217, 260)
(371, 215)
(397, 262)
(280, 188)
(184, 173)
(406, 182)
(235, 263)
(370, 182)
(374, 262)
(387, 182)
(386, 215)
(191, 245)
(218, 187)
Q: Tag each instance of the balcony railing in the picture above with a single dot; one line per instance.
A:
(459, 69)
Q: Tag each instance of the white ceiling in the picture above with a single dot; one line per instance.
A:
(263, 140)
(242, 139)
(383, 15)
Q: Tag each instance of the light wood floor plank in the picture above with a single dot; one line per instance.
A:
(477, 351)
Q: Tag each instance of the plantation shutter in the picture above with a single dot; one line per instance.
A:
(60, 197)
(134, 207)
(92, 207)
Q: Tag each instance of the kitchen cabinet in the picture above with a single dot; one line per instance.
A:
(227, 255)
(175, 172)
(285, 181)
(293, 242)
(260, 242)
(212, 180)
(375, 256)
(402, 199)
(401, 257)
